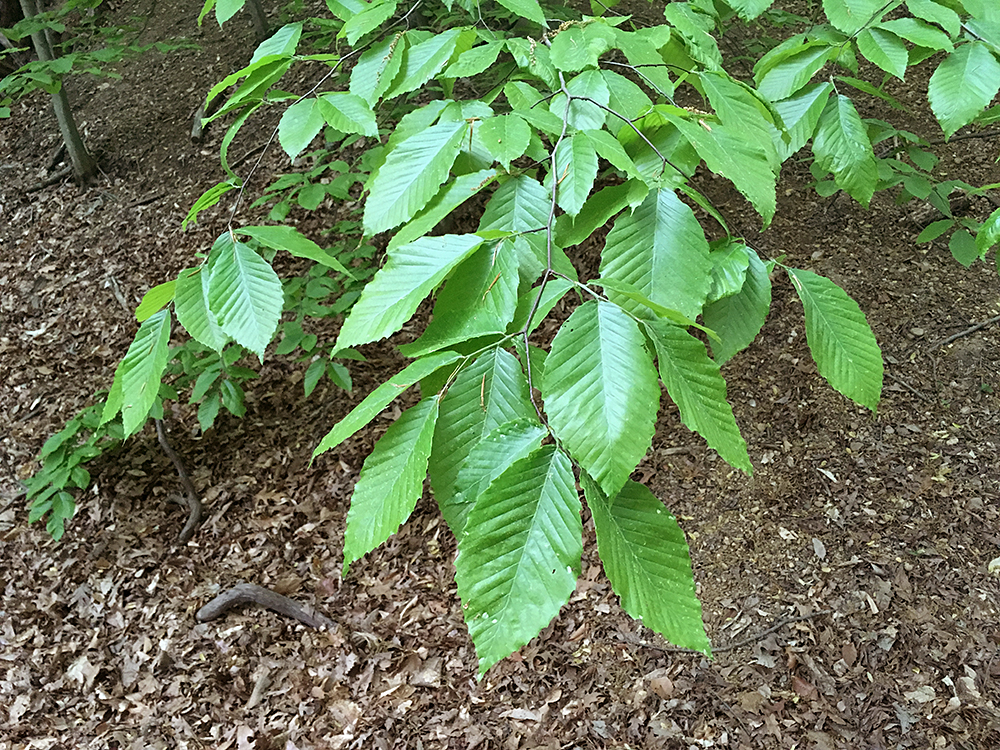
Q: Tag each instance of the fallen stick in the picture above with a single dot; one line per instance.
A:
(190, 494)
(966, 332)
(248, 593)
(52, 179)
(730, 646)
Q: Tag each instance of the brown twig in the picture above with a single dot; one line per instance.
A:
(252, 152)
(732, 646)
(248, 593)
(966, 332)
(148, 199)
(52, 179)
(908, 387)
(191, 495)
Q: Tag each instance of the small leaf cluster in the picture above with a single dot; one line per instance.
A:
(63, 457)
(89, 48)
(223, 323)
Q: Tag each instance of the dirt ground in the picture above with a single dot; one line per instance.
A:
(845, 585)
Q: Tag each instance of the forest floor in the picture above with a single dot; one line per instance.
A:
(845, 585)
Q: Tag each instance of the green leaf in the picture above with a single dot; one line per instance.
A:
(191, 305)
(554, 291)
(410, 274)
(988, 234)
(505, 137)
(491, 391)
(62, 510)
(232, 398)
(424, 60)
(521, 205)
(793, 72)
(749, 9)
(600, 208)
(246, 296)
(741, 111)
(292, 241)
(208, 410)
(313, 374)
(885, 49)
(478, 299)
(920, 33)
(381, 397)
(583, 113)
(963, 247)
(738, 319)
(934, 12)
(506, 444)
(661, 249)
(626, 99)
(699, 390)
(580, 46)
(800, 115)
(155, 299)
(934, 230)
(377, 68)
(226, 9)
(474, 61)
(527, 9)
(576, 170)
(850, 16)
(642, 50)
(412, 174)
(299, 124)
(610, 148)
(742, 162)
(347, 113)
(391, 481)
(963, 86)
(206, 200)
(345, 9)
(451, 196)
(281, 43)
(623, 291)
(141, 370)
(729, 269)
(533, 59)
(519, 558)
(842, 147)
(646, 558)
(374, 15)
(601, 392)
(840, 339)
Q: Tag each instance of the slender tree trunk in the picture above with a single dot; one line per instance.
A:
(84, 166)
(259, 19)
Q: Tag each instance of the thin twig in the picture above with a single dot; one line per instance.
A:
(191, 495)
(908, 387)
(52, 179)
(732, 646)
(966, 332)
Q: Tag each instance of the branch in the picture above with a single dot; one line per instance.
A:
(732, 646)
(248, 593)
(191, 495)
(966, 332)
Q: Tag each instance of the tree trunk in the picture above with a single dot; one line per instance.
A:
(259, 19)
(84, 166)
